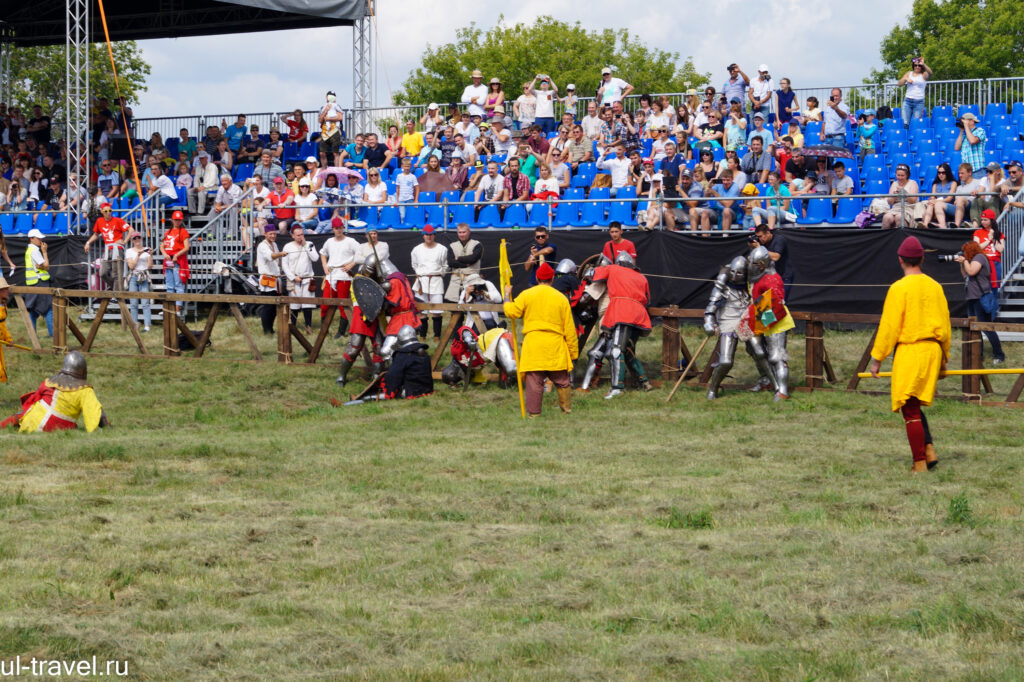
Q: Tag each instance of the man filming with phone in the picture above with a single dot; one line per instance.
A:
(835, 115)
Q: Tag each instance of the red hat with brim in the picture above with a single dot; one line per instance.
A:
(545, 272)
(911, 248)
(177, 215)
(988, 213)
(428, 229)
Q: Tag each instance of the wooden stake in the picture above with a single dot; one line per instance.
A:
(686, 371)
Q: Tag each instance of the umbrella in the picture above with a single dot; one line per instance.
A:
(338, 172)
(830, 151)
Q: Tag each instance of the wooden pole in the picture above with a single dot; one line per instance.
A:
(60, 325)
(669, 348)
(30, 328)
(284, 336)
(813, 332)
(519, 372)
(170, 325)
(686, 371)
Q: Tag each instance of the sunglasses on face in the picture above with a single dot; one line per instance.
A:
(540, 236)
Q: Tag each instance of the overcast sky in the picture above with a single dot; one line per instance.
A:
(815, 44)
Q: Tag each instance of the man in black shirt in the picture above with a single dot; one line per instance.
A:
(376, 154)
(39, 126)
(541, 251)
(778, 249)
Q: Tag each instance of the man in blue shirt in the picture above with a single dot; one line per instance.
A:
(694, 190)
(354, 154)
(760, 131)
(835, 115)
(670, 165)
(725, 210)
(735, 89)
(234, 133)
(971, 143)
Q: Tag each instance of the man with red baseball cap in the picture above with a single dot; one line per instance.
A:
(174, 248)
(550, 344)
(114, 232)
(915, 321)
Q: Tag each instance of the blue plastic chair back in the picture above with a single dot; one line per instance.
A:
(489, 217)
(621, 211)
(44, 223)
(515, 217)
(846, 211)
(591, 214)
(23, 223)
(818, 211)
(390, 217)
(414, 218)
(626, 193)
(60, 223)
(566, 214)
(538, 215)
(600, 193)
(463, 214)
(7, 223)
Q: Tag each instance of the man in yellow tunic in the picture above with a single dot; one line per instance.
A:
(59, 401)
(549, 340)
(915, 321)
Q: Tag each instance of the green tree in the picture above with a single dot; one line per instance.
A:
(38, 75)
(570, 53)
(958, 39)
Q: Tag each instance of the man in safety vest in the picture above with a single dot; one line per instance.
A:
(37, 273)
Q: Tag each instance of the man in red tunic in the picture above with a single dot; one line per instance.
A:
(400, 306)
(768, 316)
(626, 318)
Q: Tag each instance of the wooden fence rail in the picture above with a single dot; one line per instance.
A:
(819, 374)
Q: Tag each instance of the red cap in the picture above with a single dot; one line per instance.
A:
(105, 204)
(177, 215)
(336, 222)
(911, 248)
(428, 229)
(545, 272)
(988, 213)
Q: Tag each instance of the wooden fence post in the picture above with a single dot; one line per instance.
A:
(814, 346)
(284, 336)
(60, 324)
(170, 325)
(669, 348)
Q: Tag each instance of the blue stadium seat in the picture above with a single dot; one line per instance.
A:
(489, 217)
(600, 193)
(945, 110)
(813, 131)
(648, 147)
(414, 218)
(463, 214)
(22, 224)
(626, 193)
(390, 218)
(538, 215)
(44, 223)
(369, 214)
(923, 147)
(433, 215)
(292, 151)
(972, 108)
(995, 109)
(591, 213)
(818, 211)
(566, 214)
(243, 171)
(428, 196)
(307, 149)
(846, 211)
(172, 147)
(60, 224)
(515, 217)
(7, 223)
(182, 199)
(920, 123)
(621, 211)
(992, 155)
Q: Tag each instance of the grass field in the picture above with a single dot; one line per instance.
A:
(233, 525)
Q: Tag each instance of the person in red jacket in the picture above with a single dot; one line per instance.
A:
(616, 243)
(401, 310)
(626, 318)
(769, 316)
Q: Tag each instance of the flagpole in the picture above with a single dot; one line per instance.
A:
(505, 277)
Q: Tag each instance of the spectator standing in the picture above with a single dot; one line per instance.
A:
(330, 120)
(735, 88)
(114, 233)
(735, 127)
(592, 122)
(464, 262)
(570, 100)
(916, 81)
(234, 134)
(174, 248)
(542, 251)
(616, 243)
(835, 117)
(269, 270)
(139, 261)
(406, 187)
(545, 97)
(299, 256)
(762, 92)
(525, 108)
(251, 147)
(339, 256)
(612, 89)
(474, 95)
(495, 100)
(970, 142)
(976, 269)
(617, 165)
(298, 129)
(430, 262)
(992, 243)
(37, 274)
(786, 105)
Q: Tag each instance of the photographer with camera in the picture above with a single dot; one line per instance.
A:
(971, 143)
(835, 115)
(761, 92)
(139, 261)
(982, 301)
(916, 81)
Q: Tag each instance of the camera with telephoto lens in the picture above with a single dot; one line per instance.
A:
(960, 123)
(950, 257)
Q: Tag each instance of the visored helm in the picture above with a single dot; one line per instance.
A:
(625, 260)
(760, 263)
(406, 335)
(74, 365)
(565, 266)
(736, 271)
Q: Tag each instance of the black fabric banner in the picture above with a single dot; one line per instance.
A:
(835, 270)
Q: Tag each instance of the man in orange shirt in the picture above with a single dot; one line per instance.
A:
(114, 231)
(616, 243)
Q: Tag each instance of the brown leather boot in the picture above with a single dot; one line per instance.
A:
(565, 399)
(920, 467)
(929, 455)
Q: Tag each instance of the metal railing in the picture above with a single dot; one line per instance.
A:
(170, 126)
(220, 240)
(1011, 224)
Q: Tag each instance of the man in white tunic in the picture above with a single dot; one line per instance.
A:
(299, 256)
(430, 262)
(269, 269)
(339, 257)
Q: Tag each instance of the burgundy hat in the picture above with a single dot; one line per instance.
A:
(545, 272)
(428, 229)
(911, 248)
(988, 213)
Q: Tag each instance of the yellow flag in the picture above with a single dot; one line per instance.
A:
(504, 269)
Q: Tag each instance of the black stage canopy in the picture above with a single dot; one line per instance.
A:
(44, 23)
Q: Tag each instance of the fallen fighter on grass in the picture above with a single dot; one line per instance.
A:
(59, 400)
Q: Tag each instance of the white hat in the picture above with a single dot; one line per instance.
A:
(657, 177)
(605, 70)
(570, 86)
(3, 283)
(432, 105)
(456, 154)
(35, 233)
(763, 68)
(310, 159)
(304, 181)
